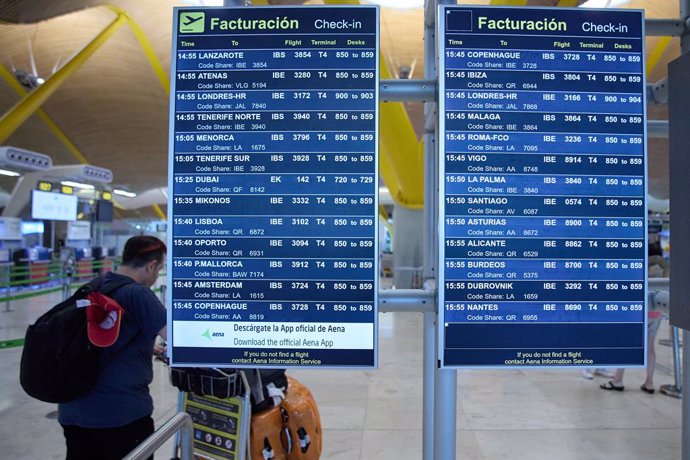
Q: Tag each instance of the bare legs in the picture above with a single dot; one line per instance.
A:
(651, 363)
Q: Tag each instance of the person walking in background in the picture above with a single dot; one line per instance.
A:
(590, 373)
(654, 318)
(115, 416)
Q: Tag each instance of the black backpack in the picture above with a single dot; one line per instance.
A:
(59, 364)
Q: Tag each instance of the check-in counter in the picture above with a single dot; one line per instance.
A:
(6, 265)
(22, 260)
(32, 265)
(103, 258)
(40, 268)
(83, 263)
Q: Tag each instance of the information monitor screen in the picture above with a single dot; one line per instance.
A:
(104, 211)
(273, 180)
(53, 206)
(543, 187)
(32, 227)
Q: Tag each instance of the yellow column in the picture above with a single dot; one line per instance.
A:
(9, 78)
(18, 114)
(146, 47)
(656, 54)
(400, 158)
(508, 2)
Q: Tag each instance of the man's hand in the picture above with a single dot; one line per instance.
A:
(159, 351)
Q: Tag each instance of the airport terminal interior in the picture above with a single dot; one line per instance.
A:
(85, 117)
(377, 414)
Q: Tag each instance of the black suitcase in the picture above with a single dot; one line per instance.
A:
(267, 387)
(221, 383)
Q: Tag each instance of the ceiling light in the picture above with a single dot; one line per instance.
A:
(5, 172)
(124, 193)
(399, 4)
(77, 185)
(28, 80)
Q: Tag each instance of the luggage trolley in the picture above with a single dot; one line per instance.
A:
(218, 400)
(220, 404)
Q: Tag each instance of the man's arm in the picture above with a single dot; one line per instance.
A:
(161, 347)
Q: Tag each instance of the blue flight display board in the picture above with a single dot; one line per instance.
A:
(273, 173)
(542, 187)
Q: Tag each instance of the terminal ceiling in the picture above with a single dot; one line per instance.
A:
(113, 111)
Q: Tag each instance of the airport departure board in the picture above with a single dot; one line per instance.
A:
(542, 187)
(273, 179)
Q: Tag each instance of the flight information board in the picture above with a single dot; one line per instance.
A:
(273, 171)
(542, 187)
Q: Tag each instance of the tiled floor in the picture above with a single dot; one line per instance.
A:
(376, 414)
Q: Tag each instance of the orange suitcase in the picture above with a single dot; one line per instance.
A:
(300, 416)
(265, 436)
(289, 431)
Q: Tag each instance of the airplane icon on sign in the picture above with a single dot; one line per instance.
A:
(192, 22)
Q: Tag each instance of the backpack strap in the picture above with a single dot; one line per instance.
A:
(98, 284)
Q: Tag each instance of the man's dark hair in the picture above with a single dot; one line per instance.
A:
(142, 249)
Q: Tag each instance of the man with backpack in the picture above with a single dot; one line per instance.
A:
(115, 416)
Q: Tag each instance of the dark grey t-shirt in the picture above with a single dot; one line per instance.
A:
(121, 394)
